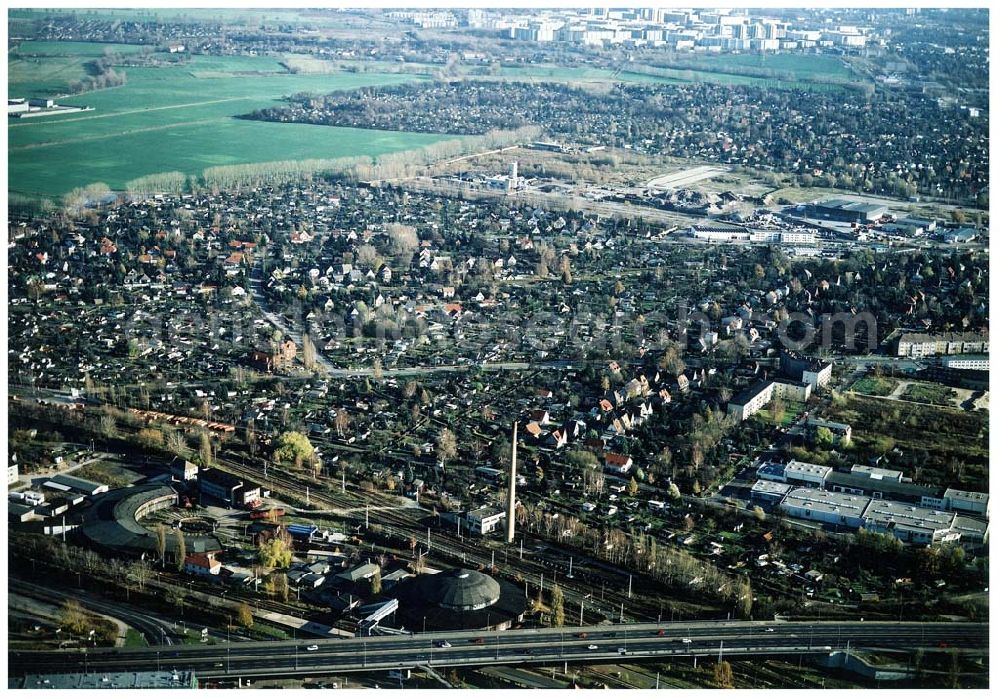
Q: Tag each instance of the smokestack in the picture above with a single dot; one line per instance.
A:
(511, 486)
(513, 172)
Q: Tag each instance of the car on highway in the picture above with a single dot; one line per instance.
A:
(476, 640)
(312, 648)
(622, 650)
(768, 630)
(444, 644)
(591, 647)
(582, 636)
(686, 641)
(661, 632)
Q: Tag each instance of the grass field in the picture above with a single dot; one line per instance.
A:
(802, 66)
(950, 446)
(44, 68)
(169, 118)
(874, 386)
(931, 393)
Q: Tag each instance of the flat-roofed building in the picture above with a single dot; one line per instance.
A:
(485, 519)
(825, 507)
(877, 473)
(847, 211)
(967, 362)
(973, 531)
(807, 474)
(767, 493)
(910, 524)
(881, 487)
(774, 472)
(975, 503)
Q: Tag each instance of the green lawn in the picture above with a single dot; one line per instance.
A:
(168, 118)
(874, 386)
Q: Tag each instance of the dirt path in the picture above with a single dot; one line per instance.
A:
(140, 111)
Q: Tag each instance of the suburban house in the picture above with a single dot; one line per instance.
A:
(617, 463)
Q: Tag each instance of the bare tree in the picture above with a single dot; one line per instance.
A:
(447, 447)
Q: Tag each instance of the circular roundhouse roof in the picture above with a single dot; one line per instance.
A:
(460, 589)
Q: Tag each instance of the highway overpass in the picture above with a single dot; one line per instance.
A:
(542, 646)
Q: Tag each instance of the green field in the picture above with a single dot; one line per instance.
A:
(931, 393)
(169, 118)
(874, 386)
(45, 68)
(801, 66)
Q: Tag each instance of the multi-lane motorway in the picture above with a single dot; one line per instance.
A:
(551, 645)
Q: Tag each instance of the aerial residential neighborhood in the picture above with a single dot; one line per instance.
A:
(498, 348)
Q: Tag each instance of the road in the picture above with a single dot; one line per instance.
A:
(475, 648)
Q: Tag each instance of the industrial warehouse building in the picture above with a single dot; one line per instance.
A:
(459, 599)
(846, 211)
(725, 233)
(229, 489)
(908, 523)
(876, 499)
(112, 523)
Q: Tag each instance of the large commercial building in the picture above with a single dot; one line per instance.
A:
(975, 503)
(846, 211)
(910, 524)
(767, 493)
(918, 345)
(724, 233)
(826, 507)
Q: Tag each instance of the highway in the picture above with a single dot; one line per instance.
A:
(549, 645)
